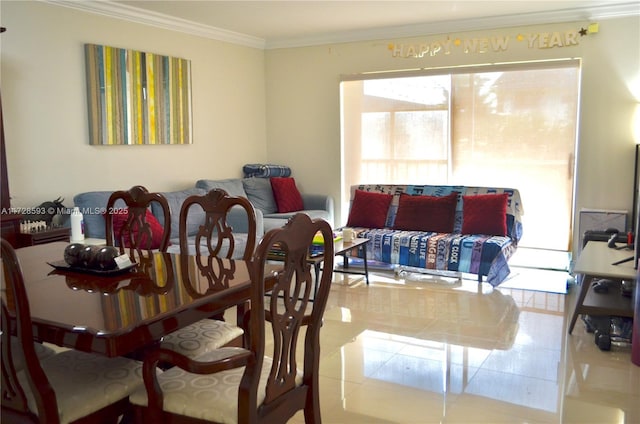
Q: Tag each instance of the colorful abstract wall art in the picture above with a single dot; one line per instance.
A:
(137, 98)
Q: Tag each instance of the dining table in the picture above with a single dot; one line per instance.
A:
(122, 313)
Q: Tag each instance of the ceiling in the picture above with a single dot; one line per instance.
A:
(273, 24)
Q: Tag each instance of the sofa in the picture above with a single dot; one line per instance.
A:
(459, 229)
(258, 190)
(262, 194)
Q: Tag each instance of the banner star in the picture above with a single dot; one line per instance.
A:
(583, 32)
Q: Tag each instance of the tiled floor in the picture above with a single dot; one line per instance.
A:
(427, 352)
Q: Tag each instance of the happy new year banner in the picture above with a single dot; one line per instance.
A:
(497, 43)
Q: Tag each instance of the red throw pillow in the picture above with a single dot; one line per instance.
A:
(369, 209)
(121, 217)
(426, 213)
(288, 198)
(485, 214)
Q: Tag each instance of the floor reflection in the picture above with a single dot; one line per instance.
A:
(420, 352)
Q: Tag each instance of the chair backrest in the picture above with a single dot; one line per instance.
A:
(216, 232)
(134, 226)
(215, 240)
(291, 305)
(17, 317)
(219, 272)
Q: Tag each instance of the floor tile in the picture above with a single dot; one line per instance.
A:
(422, 351)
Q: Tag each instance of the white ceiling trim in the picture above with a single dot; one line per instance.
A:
(137, 15)
(460, 25)
(160, 20)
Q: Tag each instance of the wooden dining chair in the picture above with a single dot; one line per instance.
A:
(134, 226)
(69, 387)
(214, 239)
(244, 385)
(216, 236)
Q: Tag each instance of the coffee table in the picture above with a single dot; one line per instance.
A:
(340, 248)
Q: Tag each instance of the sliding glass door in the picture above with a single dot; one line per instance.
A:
(504, 126)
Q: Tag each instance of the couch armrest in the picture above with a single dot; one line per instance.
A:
(237, 218)
(320, 202)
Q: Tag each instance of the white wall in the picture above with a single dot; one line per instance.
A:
(278, 106)
(45, 108)
(303, 108)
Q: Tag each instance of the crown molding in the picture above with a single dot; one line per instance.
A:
(159, 20)
(463, 25)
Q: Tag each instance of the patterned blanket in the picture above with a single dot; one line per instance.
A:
(478, 254)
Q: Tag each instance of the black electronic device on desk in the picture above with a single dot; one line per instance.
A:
(603, 236)
(612, 242)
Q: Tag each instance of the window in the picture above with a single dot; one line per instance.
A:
(504, 126)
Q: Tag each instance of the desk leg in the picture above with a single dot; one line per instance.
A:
(584, 289)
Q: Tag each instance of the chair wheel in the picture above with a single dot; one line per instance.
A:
(603, 341)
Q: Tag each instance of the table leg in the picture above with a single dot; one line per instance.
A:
(345, 265)
(316, 268)
(584, 289)
(366, 268)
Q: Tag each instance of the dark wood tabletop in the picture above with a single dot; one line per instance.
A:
(116, 315)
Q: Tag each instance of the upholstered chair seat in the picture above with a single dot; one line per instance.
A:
(42, 352)
(84, 383)
(203, 336)
(211, 397)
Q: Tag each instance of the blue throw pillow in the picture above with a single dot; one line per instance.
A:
(232, 186)
(175, 200)
(93, 205)
(260, 194)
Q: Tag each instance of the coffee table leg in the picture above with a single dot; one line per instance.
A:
(366, 268)
(316, 267)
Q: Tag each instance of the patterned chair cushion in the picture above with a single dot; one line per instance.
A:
(212, 397)
(42, 352)
(85, 383)
(201, 337)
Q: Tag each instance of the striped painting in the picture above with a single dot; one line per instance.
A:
(137, 98)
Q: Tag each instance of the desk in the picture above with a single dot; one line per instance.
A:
(122, 314)
(595, 261)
